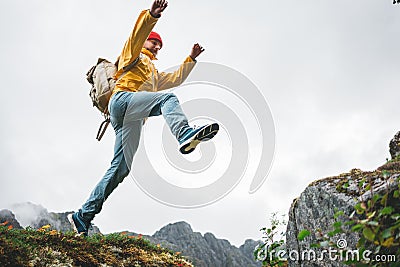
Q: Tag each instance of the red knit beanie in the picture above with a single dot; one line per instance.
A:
(155, 36)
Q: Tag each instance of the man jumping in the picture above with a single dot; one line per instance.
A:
(135, 98)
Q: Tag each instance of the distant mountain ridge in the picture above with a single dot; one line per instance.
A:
(203, 251)
(36, 216)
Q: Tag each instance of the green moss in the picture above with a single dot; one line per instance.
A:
(357, 177)
(44, 247)
(342, 185)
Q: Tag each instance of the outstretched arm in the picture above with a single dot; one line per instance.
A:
(144, 25)
(176, 78)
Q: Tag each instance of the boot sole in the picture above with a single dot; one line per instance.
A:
(203, 135)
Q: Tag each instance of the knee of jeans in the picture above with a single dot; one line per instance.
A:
(170, 96)
(123, 171)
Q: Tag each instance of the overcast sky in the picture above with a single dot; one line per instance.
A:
(328, 69)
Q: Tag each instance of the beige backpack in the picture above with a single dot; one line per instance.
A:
(101, 77)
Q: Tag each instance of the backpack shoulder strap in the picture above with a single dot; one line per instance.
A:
(130, 66)
(103, 128)
(103, 125)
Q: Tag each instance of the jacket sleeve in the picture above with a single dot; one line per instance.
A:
(176, 78)
(144, 25)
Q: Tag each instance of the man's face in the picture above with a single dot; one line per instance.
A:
(153, 46)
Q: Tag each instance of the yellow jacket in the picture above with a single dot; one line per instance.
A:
(144, 76)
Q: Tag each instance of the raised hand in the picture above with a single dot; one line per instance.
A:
(158, 7)
(196, 51)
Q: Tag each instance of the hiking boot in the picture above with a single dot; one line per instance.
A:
(197, 135)
(78, 225)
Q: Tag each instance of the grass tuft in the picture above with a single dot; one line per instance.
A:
(44, 247)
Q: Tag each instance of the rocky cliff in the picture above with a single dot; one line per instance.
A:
(314, 209)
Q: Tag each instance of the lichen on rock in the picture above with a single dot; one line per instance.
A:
(315, 208)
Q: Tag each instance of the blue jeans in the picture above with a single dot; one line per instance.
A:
(127, 113)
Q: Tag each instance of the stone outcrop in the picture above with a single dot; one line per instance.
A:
(8, 218)
(394, 146)
(314, 209)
